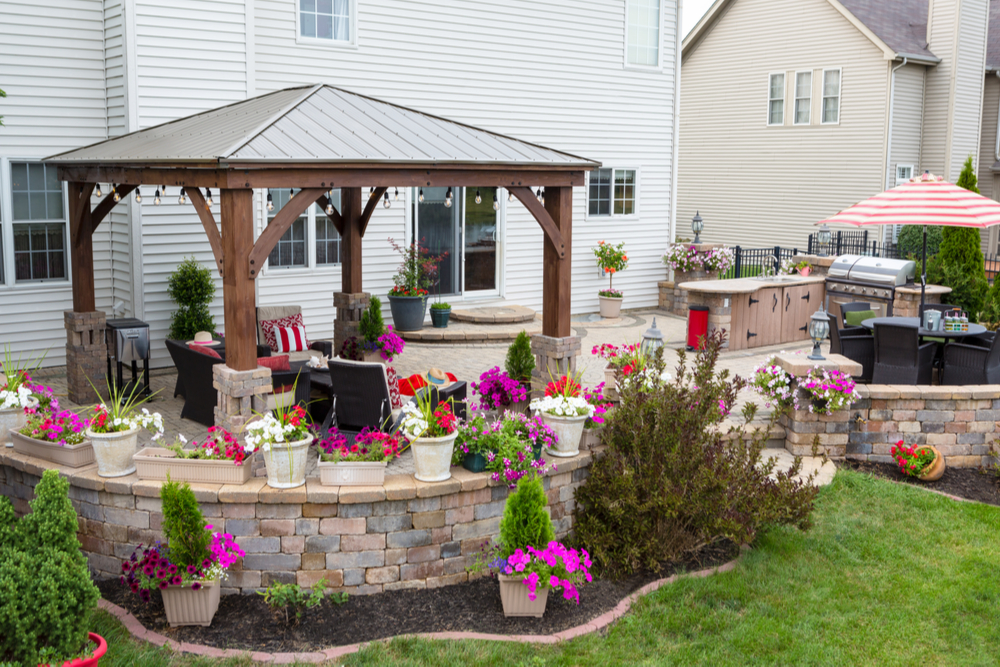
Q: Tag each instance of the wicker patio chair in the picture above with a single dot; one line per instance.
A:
(852, 307)
(836, 333)
(360, 397)
(971, 364)
(899, 356)
(862, 350)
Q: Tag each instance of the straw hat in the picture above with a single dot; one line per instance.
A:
(203, 338)
(438, 378)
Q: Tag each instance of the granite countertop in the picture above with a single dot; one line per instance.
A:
(931, 289)
(746, 285)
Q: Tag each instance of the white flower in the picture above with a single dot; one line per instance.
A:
(182, 438)
(563, 406)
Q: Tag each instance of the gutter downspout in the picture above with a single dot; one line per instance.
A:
(677, 123)
(996, 150)
(892, 108)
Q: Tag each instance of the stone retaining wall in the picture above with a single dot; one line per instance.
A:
(405, 534)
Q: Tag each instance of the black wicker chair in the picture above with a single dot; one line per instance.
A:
(360, 396)
(971, 364)
(862, 350)
(852, 307)
(899, 356)
(836, 333)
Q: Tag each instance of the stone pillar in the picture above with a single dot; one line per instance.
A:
(349, 308)
(820, 265)
(907, 303)
(86, 355)
(554, 357)
(241, 394)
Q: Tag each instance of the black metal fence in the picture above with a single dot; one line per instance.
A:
(853, 243)
(751, 261)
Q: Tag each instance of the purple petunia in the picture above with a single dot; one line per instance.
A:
(195, 586)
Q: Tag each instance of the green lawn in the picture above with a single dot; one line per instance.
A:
(889, 575)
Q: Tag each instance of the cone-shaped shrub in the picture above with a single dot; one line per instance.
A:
(520, 361)
(525, 521)
(371, 325)
(184, 525)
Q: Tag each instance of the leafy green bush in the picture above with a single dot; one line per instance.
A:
(191, 287)
(525, 521)
(292, 598)
(990, 317)
(520, 361)
(46, 595)
(911, 240)
(371, 325)
(184, 525)
(671, 482)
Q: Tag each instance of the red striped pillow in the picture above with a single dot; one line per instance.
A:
(291, 339)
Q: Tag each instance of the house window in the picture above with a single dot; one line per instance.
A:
(39, 222)
(325, 19)
(327, 236)
(642, 26)
(831, 96)
(291, 248)
(803, 97)
(776, 100)
(611, 192)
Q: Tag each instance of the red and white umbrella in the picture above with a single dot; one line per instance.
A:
(924, 200)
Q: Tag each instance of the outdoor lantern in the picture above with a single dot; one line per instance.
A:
(819, 327)
(825, 236)
(697, 226)
(652, 340)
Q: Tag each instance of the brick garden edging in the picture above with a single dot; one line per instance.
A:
(139, 631)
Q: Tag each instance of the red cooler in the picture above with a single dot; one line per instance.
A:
(697, 326)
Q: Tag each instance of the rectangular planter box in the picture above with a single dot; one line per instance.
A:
(610, 381)
(71, 456)
(515, 600)
(155, 462)
(362, 473)
(591, 437)
(189, 607)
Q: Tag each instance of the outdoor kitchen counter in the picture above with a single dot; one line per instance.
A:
(754, 312)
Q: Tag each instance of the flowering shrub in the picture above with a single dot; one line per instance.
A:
(555, 567)
(612, 259)
(775, 385)
(497, 390)
(422, 420)
(912, 460)
(390, 344)
(416, 271)
(627, 358)
(220, 445)
(283, 425)
(719, 259)
(63, 428)
(829, 391)
(512, 445)
(645, 379)
(610, 293)
(370, 445)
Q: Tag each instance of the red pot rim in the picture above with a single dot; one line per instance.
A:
(91, 661)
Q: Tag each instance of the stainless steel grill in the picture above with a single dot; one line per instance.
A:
(874, 280)
(128, 343)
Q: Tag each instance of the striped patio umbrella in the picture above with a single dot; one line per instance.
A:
(924, 200)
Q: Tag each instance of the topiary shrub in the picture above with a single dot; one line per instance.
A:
(671, 482)
(191, 287)
(911, 240)
(520, 362)
(46, 595)
(184, 525)
(372, 325)
(525, 521)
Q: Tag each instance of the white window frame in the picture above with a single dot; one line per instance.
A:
(617, 216)
(311, 266)
(784, 95)
(658, 67)
(351, 43)
(903, 166)
(7, 223)
(823, 96)
(796, 98)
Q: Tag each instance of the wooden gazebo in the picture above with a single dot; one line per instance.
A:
(316, 138)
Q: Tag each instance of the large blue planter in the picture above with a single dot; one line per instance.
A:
(408, 312)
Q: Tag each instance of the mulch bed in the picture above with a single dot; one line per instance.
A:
(244, 622)
(969, 483)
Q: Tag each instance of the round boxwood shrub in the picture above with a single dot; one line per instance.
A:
(192, 288)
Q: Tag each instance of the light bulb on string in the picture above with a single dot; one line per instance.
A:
(385, 201)
(114, 191)
(396, 195)
(510, 196)
(538, 194)
(208, 196)
(496, 204)
(156, 197)
(291, 193)
(447, 199)
(329, 209)
(97, 190)
(543, 197)
(181, 198)
(138, 197)
(479, 197)
(421, 197)
(270, 202)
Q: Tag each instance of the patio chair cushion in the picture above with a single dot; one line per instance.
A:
(277, 363)
(204, 349)
(267, 328)
(856, 317)
(291, 338)
(411, 385)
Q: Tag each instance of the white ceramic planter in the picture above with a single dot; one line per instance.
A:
(515, 600)
(286, 463)
(432, 457)
(568, 431)
(185, 606)
(71, 456)
(352, 473)
(610, 307)
(13, 419)
(114, 452)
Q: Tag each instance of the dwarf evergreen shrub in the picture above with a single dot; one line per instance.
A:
(184, 525)
(961, 258)
(520, 361)
(371, 324)
(46, 595)
(525, 522)
(192, 288)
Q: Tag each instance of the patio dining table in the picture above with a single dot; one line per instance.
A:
(974, 329)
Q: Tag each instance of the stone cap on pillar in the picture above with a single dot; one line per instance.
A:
(815, 260)
(799, 364)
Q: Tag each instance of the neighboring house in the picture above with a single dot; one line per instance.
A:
(595, 78)
(793, 110)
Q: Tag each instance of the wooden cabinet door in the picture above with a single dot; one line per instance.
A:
(769, 317)
(738, 323)
(810, 302)
(790, 312)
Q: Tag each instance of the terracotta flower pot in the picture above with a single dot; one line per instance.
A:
(100, 648)
(611, 307)
(352, 473)
(71, 456)
(515, 600)
(569, 431)
(156, 463)
(114, 452)
(432, 457)
(935, 470)
(13, 419)
(186, 606)
(286, 463)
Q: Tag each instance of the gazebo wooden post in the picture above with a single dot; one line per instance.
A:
(86, 349)
(351, 300)
(556, 349)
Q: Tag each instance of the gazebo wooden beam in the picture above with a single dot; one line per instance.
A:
(366, 215)
(557, 272)
(208, 222)
(280, 224)
(81, 235)
(332, 213)
(101, 210)
(548, 225)
(238, 294)
(350, 240)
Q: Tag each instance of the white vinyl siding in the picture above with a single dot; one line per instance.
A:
(831, 96)
(776, 99)
(642, 33)
(803, 97)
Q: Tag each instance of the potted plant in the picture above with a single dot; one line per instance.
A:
(516, 448)
(371, 326)
(473, 443)
(16, 394)
(114, 430)
(187, 570)
(57, 436)
(828, 391)
(360, 463)
(622, 360)
(923, 462)
(686, 258)
(612, 259)
(533, 430)
(775, 385)
(565, 411)
(284, 438)
(219, 459)
(440, 312)
(47, 594)
(431, 431)
(497, 392)
(408, 296)
(519, 364)
(804, 268)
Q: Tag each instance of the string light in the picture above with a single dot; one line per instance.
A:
(447, 199)
(496, 204)
(538, 194)
(138, 197)
(181, 199)
(385, 202)
(270, 202)
(97, 190)
(421, 197)
(543, 196)
(114, 191)
(156, 197)
(208, 196)
(371, 191)
(329, 208)
(396, 195)
(510, 196)
(479, 197)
